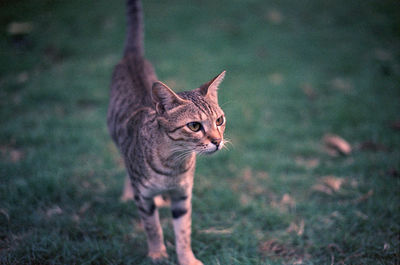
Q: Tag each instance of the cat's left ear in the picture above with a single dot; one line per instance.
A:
(164, 98)
(210, 88)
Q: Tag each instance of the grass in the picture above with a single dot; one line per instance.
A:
(296, 71)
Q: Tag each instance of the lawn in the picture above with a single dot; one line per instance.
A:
(297, 72)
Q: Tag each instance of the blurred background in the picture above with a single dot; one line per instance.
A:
(312, 100)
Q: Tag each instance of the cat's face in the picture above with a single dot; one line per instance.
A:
(193, 120)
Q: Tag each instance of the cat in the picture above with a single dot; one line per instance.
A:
(159, 133)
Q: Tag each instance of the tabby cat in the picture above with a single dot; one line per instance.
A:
(159, 132)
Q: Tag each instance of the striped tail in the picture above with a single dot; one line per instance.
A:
(134, 35)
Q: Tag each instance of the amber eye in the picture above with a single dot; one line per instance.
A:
(194, 126)
(220, 121)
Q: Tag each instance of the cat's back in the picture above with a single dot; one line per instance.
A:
(131, 85)
(133, 76)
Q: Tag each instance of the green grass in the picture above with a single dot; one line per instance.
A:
(296, 71)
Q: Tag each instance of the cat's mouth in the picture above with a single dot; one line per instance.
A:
(210, 148)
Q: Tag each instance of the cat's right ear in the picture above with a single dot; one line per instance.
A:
(164, 98)
(210, 88)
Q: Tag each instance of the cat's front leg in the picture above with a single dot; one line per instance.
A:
(151, 222)
(181, 207)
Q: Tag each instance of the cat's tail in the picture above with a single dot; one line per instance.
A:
(134, 35)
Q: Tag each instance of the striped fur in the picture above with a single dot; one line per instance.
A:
(150, 125)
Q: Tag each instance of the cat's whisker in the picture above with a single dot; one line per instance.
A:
(227, 143)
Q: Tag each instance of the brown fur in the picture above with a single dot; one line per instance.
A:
(153, 127)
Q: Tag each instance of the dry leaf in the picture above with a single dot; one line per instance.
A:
(361, 215)
(309, 91)
(337, 144)
(322, 188)
(55, 210)
(333, 182)
(22, 77)
(213, 230)
(284, 204)
(262, 175)
(274, 16)
(328, 185)
(342, 84)
(364, 197)
(288, 200)
(20, 28)
(5, 213)
(247, 174)
(84, 207)
(16, 155)
(383, 55)
(244, 199)
(275, 78)
(272, 248)
(309, 163)
(297, 228)
(386, 246)
(12, 154)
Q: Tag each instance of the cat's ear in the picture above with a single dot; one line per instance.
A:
(210, 88)
(164, 98)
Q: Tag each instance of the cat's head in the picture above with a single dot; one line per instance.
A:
(191, 119)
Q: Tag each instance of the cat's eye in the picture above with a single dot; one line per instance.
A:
(194, 126)
(220, 121)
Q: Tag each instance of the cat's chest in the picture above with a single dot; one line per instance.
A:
(160, 184)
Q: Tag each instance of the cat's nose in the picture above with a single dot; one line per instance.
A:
(216, 141)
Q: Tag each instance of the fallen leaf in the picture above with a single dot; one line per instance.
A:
(328, 185)
(213, 230)
(383, 55)
(309, 91)
(16, 155)
(84, 207)
(297, 228)
(12, 154)
(287, 200)
(247, 174)
(364, 197)
(5, 213)
(309, 163)
(273, 248)
(361, 215)
(22, 77)
(342, 84)
(337, 144)
(286, 203)
(55, 210)
(322, 188)
(262, 175)
(19, 28)
(276, 78)
(333, 182)
(244, 200)
(274, 16)
(386, 246)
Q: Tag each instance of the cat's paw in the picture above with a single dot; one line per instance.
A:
(158, 257)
